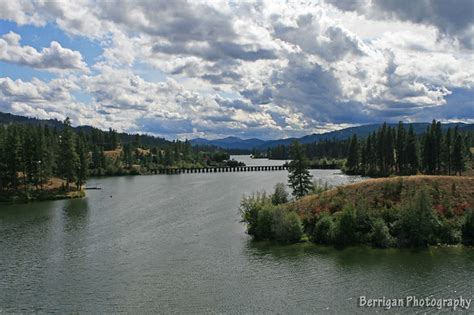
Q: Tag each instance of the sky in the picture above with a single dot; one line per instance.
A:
(265, 69)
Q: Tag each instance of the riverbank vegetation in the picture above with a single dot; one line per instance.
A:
(34, 157)
(53, 189)
(392, 151)
(409, 211)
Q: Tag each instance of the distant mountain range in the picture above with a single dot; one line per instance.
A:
(361, 131)
(235, 143)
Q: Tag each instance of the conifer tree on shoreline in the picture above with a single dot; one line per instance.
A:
(299, 178)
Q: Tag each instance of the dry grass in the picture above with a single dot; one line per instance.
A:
(54, 183)
(113, 154)
(143, 151)
(457, 191)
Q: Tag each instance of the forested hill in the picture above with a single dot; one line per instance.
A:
(343, 134)
(44, 159)
(7, 119)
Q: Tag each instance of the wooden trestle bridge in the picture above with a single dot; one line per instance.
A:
(222, 169)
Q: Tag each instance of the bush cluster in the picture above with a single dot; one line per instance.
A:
(267, 219)
(412, 223)
(418, 220)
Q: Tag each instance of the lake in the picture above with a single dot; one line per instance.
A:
(174, 244)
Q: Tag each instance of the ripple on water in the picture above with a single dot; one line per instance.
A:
(174, 244)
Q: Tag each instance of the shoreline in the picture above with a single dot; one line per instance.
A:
(34, 196)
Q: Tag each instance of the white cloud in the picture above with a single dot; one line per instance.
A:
(21, 12)
(291, 68)
(54, 57)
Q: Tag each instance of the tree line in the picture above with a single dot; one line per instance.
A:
(32, 154)
(323, 149)
(400, 151)
(390, 150)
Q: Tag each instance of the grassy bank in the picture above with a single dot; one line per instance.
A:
(54, 189)
(410, 211)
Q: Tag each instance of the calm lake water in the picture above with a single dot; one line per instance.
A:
(174, 244)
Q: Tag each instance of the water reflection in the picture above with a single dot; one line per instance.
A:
(75, 214)
(402, 262)
(174, 244)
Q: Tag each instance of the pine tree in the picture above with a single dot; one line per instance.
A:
(48, 163)
(112, 139)
(400, 149)
(364, 158)
(3, 159)
(68, 159)
(411, 152)
(389, 152)
(299, 177)
(13, 156)
(169, 160)
(381, 146)
(353, 156)
(83, 165)
(372, 153)
(44, 156)
(437, 139)
(127, 155)
(447, 152)
(29, 161)
(428, 152)
(459, 163)
(176, 154)
(136, 141)
(98, 158)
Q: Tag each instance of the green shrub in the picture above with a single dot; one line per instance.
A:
(418, 223)
(280, 194)
(336, 203)
(323, 230)
(268, 222)
(449, 231)
(380, 236)
(345, 231)
(286, 226)
(468, 228)
(263, 228)
(392, 189)
(364, 221)
(250, 207)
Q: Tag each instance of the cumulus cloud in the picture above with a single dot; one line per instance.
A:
(54, 57)
(330, 42)
(156, 107)
(451, 18)
(38, 98)
(21, 12)
(265, 68)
